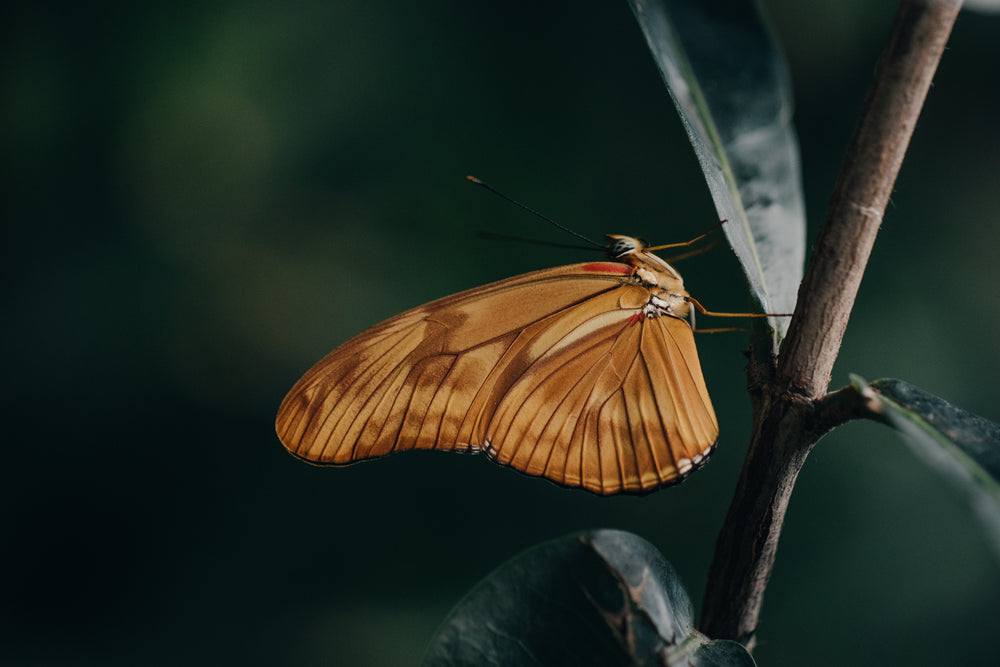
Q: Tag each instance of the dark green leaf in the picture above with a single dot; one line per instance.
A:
(731, 88)
(964, 446)
(604, 598)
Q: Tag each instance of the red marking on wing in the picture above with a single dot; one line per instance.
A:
(608, 267)
(635, 319)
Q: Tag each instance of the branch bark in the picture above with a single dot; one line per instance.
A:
(789, 414)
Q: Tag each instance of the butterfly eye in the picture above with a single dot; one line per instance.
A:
(622, 245)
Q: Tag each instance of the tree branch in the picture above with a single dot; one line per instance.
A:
(827, 293)
(789, 413)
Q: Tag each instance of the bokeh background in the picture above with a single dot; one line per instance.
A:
(201, 200)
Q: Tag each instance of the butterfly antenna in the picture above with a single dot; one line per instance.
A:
(493, 236)
(534, 212)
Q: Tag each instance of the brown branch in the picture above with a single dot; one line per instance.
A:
(827, 293)
(837, 408)
(789, 413)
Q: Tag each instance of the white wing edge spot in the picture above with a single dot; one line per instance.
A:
(489, 449)
(684, 466)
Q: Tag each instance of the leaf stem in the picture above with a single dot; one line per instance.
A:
(790, 411)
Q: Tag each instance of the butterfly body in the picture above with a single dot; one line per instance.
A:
(585, 374)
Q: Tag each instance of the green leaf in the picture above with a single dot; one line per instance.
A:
(731, 87)
(963, 446)
(603, 597)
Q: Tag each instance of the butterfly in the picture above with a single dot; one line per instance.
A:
(586, 374)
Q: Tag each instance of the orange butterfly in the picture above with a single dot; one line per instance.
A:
(585, 374)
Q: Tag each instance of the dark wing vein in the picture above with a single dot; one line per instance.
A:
(327, 407)
(384, 372)
(636, 368)
(532, 398)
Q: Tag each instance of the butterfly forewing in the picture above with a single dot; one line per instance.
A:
(554, 373)
(429, 363)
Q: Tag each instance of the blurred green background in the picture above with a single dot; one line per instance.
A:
(203, 200)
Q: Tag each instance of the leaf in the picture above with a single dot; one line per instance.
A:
(603, 597)
(731, 87)
(984, 6)
(963, 446)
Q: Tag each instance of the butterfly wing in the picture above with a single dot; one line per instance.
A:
(510, 368)
(618, 406)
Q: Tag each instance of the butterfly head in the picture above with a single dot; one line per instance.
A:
(620, 247)
(650, 269)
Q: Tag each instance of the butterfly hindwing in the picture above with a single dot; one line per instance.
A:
(619, 406)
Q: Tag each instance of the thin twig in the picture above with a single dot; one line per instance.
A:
(789, 413)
